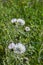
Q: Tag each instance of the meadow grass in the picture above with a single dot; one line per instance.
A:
(31, 11)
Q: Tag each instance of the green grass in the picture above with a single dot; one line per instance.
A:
(32, 12)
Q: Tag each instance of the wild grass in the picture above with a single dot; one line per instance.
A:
(32, 12)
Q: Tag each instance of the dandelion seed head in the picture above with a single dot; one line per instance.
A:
(11, 46)
(27, 28)
(14, 20)
(21, 21)
(19, 48)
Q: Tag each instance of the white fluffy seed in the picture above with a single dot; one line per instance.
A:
(21, 21)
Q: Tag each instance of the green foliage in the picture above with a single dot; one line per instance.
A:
(32, 12)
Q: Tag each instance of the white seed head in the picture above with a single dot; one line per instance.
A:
(27, 28)
(21, 21)
(14, 20)
(11, 46)
(19, 48)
